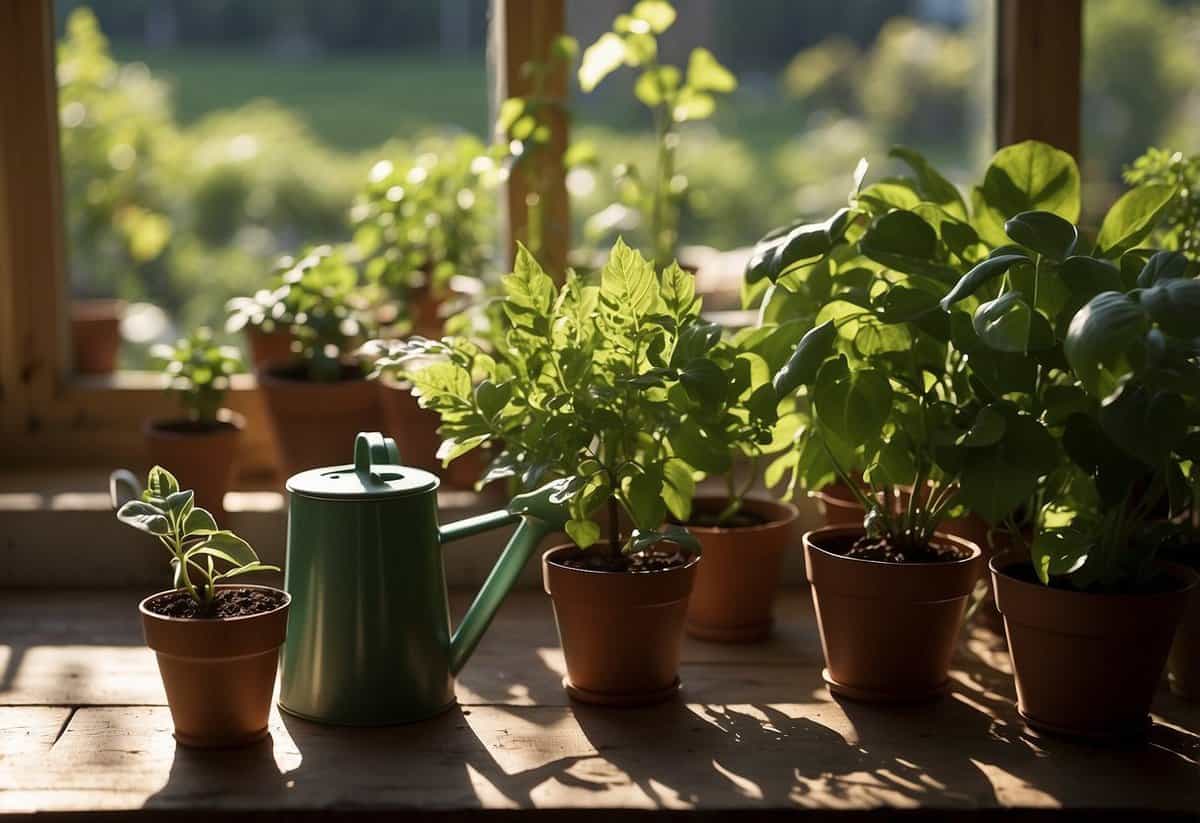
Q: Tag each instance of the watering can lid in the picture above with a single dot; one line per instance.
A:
(375, 473)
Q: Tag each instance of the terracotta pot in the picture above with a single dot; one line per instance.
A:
(838, 505)
(1086, 665)
(620, 632)
(424, 311)
(201, 455)
(96, 335)
(888, 630)
(415, 431)
(1184, 662)
(735, 586)
(219, 674)
(267, 347)
(315, 423)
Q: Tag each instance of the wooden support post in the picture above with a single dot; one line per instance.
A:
(523, 30)
(1039, 60)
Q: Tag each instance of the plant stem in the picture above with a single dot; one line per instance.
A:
(614, 526)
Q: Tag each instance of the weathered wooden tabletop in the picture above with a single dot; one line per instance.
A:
(83, 727)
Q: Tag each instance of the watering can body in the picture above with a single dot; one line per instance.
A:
(369, 634)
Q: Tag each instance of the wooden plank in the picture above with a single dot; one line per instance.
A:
(1039, 63)
(523, 31)
(29, 730)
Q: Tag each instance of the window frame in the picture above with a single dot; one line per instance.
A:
(49, 414)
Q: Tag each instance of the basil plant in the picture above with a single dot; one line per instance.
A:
(588, 389)
(202, 554)
(199, 370)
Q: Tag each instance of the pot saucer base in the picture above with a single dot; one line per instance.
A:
(1130, 734)
(730, 634)
(872, 696)
(628, 699)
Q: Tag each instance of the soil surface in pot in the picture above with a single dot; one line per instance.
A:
(192, 426)
(877, 548)
(298, 372)
(1159, 584)
(227, 603)
(604, 562)
(708, 520)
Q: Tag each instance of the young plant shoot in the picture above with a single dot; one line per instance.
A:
(199, 371)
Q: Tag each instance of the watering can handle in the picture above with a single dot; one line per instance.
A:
(539, 513)
(373, 449)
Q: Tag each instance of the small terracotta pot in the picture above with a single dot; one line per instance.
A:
(620, 632)
(735, 586)
(424, 310)
(315, 423)
(96, 335)
(839, 506)
(888, 630)
(1183, 665)
(1086, 665)
(219, 674)
(202, 455)
(269, 347)
(415, 431)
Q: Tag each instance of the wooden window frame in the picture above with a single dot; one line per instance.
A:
(49, 414)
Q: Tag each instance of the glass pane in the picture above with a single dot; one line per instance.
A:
(202, 140)
(1141, 90)
(819, 86)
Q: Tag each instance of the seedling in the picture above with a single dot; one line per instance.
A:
(199, 371)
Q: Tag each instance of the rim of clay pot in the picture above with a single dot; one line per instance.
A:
(287, 601)
(789, 511)
(227, 422)
(98, 308)
(634, 589)
(564, 547)
(1187, 578)
(839, 531)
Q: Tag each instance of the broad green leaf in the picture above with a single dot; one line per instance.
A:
(1132, 218)
(656, 85)
(492, 397)
(180, 504)
(977, 277)
(679, 487)
(853, 404)
(199, 521)
(903, 241)
(657, 14)
(679, 293)
(453, 448)
(144, 516)
(601, 59)
(628, 285)
(1146, 425)
(1174, 304)
(230, 544)
(643, 492)
(1059, 552)
(161, 483)
(583, 532)
(1088, 276)
(1027, 176)
(1100, 335)
(704, 73)
(643, 539)
(993, 488)
(890, 194)
(699, 450)
(1163, 265)
(1005, 323)
(1044, 232)
(933, 186)
(693, 105)
(987, 429)
(704, 381)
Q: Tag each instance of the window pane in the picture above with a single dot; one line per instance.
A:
(1141, 89)
(202, 140)
(820, 85)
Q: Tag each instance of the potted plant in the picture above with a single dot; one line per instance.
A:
(203, 444)
(96, 334)
(265, 318)
(217, 642)
(582, 393)
(674, 97)
(321, 399)
(1090, 613)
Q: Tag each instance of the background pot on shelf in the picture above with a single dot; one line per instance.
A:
(735, 586)
(96, 335)
(203, 444)
(621, 632)
(415, 431)
(838, 505)
(888, 629)
(267, 347)
(1087, 664)
(217, 644)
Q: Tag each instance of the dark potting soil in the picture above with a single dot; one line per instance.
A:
(740, 520)
(227, 603)
(594, 561)
(876, 548)
(193, 426)
(1159, 584)
(298, 372)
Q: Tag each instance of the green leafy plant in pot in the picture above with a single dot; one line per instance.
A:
(204, 442)
(265, 318)
(1091, 619)
(217, 642)
(321, 399)
(582, 393)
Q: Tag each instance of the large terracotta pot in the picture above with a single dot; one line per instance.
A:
(267, 347)
(838, 505)
(313, 422)
(201, 454)
(888, 630)
(1086, 665)
(621, 632)
(1184, 662)
(219, 674)
(96, 335)
(735, 587)
(415, 431)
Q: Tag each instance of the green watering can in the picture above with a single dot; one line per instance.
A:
(369, 640)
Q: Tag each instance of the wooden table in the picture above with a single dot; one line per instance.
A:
(83, 727)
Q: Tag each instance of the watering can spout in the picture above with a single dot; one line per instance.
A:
(538, 513)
